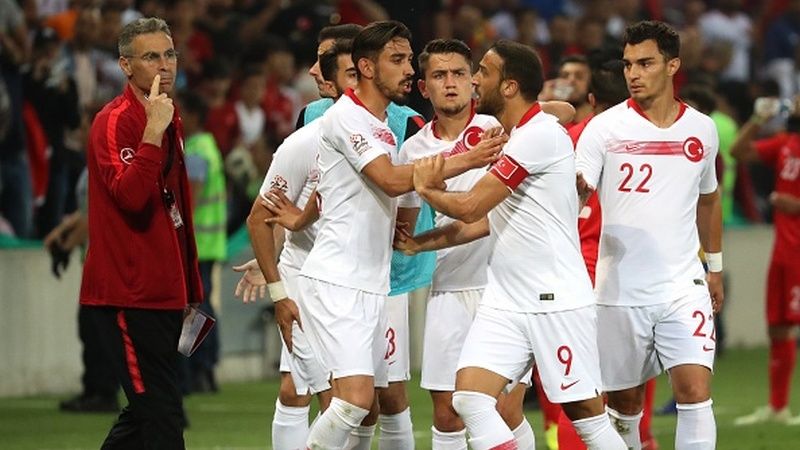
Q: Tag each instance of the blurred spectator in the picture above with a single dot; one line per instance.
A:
(193, 45)
(571, 85)
(249, 111)
(52, 92)
(781, 50)
(728, 24)
(207, 180)
(281, 102)
(222, 120)
(111, 80)
(15, 190)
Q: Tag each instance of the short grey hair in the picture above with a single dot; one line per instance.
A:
(144, 25)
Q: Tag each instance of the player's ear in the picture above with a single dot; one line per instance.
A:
(509, 87)
(592, 100)
(673, 65)
(367, 68)
(423, 89)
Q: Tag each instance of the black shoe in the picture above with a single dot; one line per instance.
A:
(90, 404)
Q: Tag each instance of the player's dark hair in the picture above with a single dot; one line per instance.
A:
(371, 40)
(439, 46)
(666, 38)
(344, 31)
(521, 64)
(608, 83)
(329, 60)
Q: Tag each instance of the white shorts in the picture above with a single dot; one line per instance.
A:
(308, 375)
(562, 344)
(346, 329)
(397, 336)
(639, 342)
(448, 317)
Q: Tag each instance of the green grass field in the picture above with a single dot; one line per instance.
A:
(239, 416)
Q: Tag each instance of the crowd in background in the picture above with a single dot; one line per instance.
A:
(248, 61)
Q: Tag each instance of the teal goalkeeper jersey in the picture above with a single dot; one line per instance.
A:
(407, 272)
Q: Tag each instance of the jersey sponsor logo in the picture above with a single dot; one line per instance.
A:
(279, 183)
(360, 145)
(384, 135)
(469, 139)
(126, 155)
(693, 149)
(509, 171)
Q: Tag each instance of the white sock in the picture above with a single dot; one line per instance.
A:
(397, 431)
(331, 429)
(486, 428)
(627, 427)
(289, 427)
(598, 434)
(455, 440)
(360, 438)
(696, 428)
(524, 436)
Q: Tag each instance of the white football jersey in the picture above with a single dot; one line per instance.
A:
(535, 264)
(462, 267)
(354, 242)
(649, 180)
(294, 171)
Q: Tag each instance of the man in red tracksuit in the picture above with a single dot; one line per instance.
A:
(141, 266)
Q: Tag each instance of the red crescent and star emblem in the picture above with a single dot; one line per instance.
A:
(693, 149)
(472, 136)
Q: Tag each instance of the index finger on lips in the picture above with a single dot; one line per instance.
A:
(154, 86)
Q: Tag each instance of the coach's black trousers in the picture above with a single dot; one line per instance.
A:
(142, 344)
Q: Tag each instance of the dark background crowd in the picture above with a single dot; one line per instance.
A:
(248, 60)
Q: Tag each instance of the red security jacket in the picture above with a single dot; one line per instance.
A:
(134, 259)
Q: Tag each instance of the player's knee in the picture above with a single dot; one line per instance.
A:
(288, 396)
(363, 398)
(468, 403)
(692, 393)
(510, 411)
(625, 402)
(393, 400)
(446, 419)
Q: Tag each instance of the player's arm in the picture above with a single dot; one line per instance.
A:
(742, 148)
(470, 206)
(785, 203)
(563, 110)
(456, 233)
(589, 160)
(709, 228)
(397, 180)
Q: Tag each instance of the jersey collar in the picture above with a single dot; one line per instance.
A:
(534, 109)
(632, 104)
(435, 120)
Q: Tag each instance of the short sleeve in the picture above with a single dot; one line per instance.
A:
(288, 171)
(768, 148)
(354, 139)
(590, 153)
(708, 179)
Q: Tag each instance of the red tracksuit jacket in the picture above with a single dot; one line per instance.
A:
(134, 257)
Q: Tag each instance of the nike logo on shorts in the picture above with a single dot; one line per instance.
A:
(564, 387)
(705, 348)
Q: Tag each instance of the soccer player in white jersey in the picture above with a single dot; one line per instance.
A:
(538, 304)
(652, 160)
(293, 172)
(345, 279)
(460, 275)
